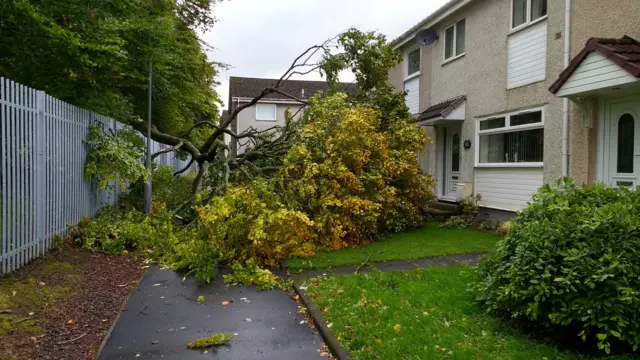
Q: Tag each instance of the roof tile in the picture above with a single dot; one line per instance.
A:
(625, 52)
(442, 109)
(303, 89)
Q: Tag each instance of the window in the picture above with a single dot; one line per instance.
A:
(413, 62)
(626, 137)
(526, 11)
(455, 153)
(266, 112)
(511, 138)
(454, 40)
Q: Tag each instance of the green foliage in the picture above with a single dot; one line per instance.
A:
(155, 237)
(95, 55)
(250, 222)
(470, 209)
(571, 262)
(252, 275)
(366, 54)
(171, 190)
(352, 178)
(342, 185)
(200, 300)
(207, 342)
(115, 158)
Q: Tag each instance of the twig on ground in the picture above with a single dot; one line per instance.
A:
(23, 320)
(366, 262)
(142, 310)
(6, 311)
(72, 340)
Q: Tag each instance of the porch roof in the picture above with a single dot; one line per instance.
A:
(444, 110)
(624, 52)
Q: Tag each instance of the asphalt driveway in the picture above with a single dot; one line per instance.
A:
(163, 315)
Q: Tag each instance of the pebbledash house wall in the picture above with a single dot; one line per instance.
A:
(481, 75)
(602, 19)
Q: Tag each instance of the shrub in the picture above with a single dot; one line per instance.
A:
(354, 176)
(252, 275)
(150, 236)
(570, 262)
(249, 222)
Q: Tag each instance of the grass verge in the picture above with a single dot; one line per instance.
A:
(413, 244)
(422, 314)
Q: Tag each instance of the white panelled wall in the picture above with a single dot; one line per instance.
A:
(412, 87)
(527, 54)
(42, 185)
(508, 188)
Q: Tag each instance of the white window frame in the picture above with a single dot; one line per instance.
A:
(508, 129)
(455, 40)
(528, 21)
(275, 111)
(405, 66)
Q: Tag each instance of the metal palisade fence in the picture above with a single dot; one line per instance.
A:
(42, 183)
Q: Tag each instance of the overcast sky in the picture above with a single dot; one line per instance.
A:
(260, 38)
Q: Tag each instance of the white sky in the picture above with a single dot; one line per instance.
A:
(260, 38)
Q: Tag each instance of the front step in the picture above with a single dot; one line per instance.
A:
(452, 208)
(439, 213)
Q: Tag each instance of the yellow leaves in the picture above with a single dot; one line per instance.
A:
(397, 328)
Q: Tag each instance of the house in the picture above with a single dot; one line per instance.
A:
(602, 83)
(478, 75)
(270, 111)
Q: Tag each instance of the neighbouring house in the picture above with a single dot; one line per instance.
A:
(270, 111)
(478, 75)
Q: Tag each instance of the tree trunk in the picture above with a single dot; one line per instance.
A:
(197, 182)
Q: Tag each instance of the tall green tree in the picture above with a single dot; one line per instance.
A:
(95, 54)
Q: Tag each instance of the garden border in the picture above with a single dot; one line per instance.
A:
(123, 307)
(321, 325)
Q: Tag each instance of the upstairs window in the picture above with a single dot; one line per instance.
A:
(526, 11)
(454, 40)
(413, 62)
(266, 112)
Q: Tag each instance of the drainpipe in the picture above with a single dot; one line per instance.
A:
(565, 101)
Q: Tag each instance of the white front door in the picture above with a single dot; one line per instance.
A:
(624, 151)
(451, 161)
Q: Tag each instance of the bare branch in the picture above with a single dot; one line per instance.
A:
(201, 123)
(299, 109)
(290, 96)
(185, 168)
(164, 151)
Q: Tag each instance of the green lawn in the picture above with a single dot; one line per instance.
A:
(423, 314)
(418, 243)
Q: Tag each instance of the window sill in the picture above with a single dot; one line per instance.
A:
(450, 60)
(412, 76)
(510, 165)
(526, 25)
(267, 120)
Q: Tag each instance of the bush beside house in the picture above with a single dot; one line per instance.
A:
(570, 263)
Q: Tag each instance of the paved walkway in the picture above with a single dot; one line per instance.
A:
(393, 265)
(163, 315)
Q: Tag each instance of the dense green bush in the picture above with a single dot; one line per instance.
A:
(570, 263)
(155, 237)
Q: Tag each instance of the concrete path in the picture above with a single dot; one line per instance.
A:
(393, 265)
(163, 315)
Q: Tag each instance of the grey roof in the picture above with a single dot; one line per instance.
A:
(442, 109)
(303, 89)
(424, 21)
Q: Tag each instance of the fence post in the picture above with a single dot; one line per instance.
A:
(40, 175)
